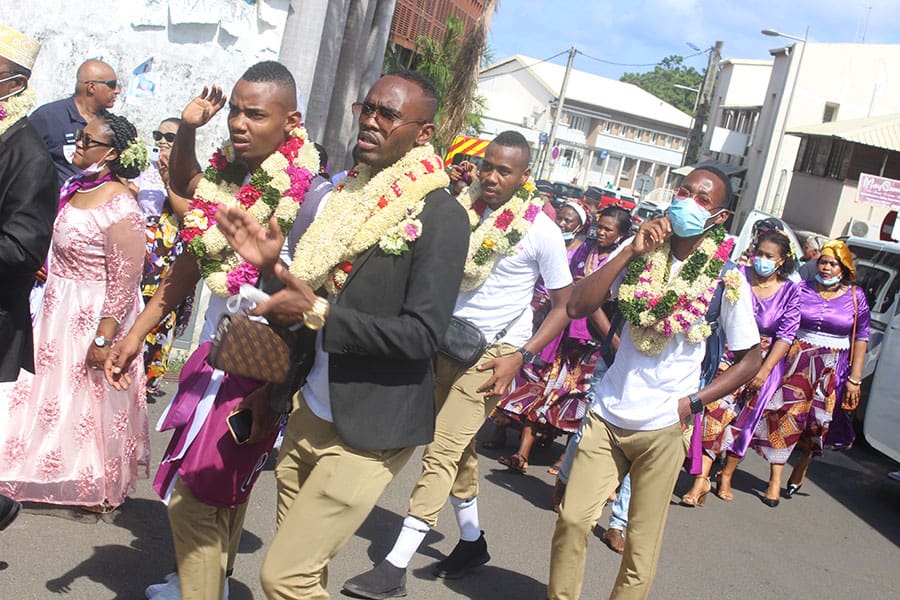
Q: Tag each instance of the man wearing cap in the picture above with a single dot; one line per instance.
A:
(96, 90)
(27, 207)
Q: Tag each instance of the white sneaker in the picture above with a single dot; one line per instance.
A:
(155, 588)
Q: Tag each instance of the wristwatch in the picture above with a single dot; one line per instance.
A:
(527, 356)
(696, 404)
(101, 342)
(315, 317)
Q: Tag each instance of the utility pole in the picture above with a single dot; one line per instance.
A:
(551, 141)
(701, 112)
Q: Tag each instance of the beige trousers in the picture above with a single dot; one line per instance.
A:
(206, 540)
(326, 490)
(450, 464)
(606, 453)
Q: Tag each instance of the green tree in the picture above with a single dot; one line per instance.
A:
(662, 79)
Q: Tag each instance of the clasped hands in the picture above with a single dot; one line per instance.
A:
(261, 248)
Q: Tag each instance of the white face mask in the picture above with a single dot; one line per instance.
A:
(97, 166)
(11, 94)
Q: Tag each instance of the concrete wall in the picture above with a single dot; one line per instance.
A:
(826, 205)
(192, 42)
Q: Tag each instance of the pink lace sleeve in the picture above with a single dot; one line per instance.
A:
(125, 246)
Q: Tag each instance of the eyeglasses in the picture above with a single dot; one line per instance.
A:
(110, 83)
(383, 115)
(700, 198)
(87, 141)
(168, 136)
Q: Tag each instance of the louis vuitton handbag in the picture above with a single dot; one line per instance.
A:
(251, 349)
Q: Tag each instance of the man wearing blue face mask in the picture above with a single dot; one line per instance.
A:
(666, 278)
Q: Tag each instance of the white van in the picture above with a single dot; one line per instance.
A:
(878, 273)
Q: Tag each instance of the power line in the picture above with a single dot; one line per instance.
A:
(522, 68)
(618, 64)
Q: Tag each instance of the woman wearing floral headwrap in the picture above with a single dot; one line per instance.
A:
(825, 368)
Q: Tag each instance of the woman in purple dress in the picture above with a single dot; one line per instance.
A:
(825, 366)
(729, 423)
(551, 395)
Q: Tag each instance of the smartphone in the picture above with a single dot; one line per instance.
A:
(154, 153)
(240, 424)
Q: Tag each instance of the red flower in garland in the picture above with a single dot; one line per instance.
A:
(504, 219)
(291, 148)
(345, 266)
(218, 160)
(189, 233)
(248, 195)
(382, 202)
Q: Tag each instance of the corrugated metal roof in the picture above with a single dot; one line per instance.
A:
(880, 132)
(602, 92)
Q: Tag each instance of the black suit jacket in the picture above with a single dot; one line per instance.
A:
(28, 196)
(384, 328)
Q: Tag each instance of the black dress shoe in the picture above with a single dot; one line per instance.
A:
(465, 556)
(9, 510)
(383, 581)
(792, 488)
(773, 502)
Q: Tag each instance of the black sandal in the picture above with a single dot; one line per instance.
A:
(515, 462)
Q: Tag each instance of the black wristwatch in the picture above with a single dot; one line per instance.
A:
(527, 356)
(696, 404)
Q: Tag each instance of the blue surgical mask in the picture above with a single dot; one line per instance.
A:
(764, 266)
(689, 218)
(568, 235)
(830, 281)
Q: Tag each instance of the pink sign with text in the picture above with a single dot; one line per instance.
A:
(878, 190)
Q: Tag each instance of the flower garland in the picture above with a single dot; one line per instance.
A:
(659, 310)
(277, 187)
(365, 210)
(499, 233)
(15, 107)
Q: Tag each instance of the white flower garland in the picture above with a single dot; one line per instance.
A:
(365, 210)
(15, 107)
(498, 234)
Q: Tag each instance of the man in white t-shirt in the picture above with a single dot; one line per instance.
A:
(635, 421)
(464, 397)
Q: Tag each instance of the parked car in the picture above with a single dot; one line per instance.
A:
(567, 191)
(644, 211)
(607, 197)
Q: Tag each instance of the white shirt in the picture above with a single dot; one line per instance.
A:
(506, 293)
(641, 392)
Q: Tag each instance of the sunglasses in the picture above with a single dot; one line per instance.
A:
(87, 141)
(700, 198)
(383, 114)
(110, 83)
(159, 135)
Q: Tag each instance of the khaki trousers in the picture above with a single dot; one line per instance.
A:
(606, 453)
(450, 464)
(326, 490)
(206, 540)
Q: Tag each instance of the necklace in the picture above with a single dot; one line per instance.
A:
(828, 294)
(91, 189)
(763, 285)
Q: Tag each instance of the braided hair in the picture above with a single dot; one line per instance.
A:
(121, 133)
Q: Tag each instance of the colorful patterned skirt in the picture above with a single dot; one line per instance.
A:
(730, 422)
(553, 396)
(163, 246)
(805, 405)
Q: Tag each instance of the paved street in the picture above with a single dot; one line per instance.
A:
(838, 538)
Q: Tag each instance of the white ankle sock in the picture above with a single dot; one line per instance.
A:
(467, 518)
(408, 542)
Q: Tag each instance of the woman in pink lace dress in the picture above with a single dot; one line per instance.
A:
(67, 437)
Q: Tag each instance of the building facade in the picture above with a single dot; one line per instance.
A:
(610, 133)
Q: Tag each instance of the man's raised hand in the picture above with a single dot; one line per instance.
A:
(204, 107)
(651, 235)
(257, 245)
(286, 307)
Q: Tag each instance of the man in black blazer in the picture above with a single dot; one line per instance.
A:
(368, 399)
(28, 195)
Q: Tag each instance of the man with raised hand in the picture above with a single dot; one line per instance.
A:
(513, 244)
(206, 477)
(96, 90)
(374, 277)
(665, 280)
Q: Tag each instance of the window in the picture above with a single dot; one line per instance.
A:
(831, 112)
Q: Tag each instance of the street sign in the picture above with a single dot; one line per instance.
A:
(554, 154)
